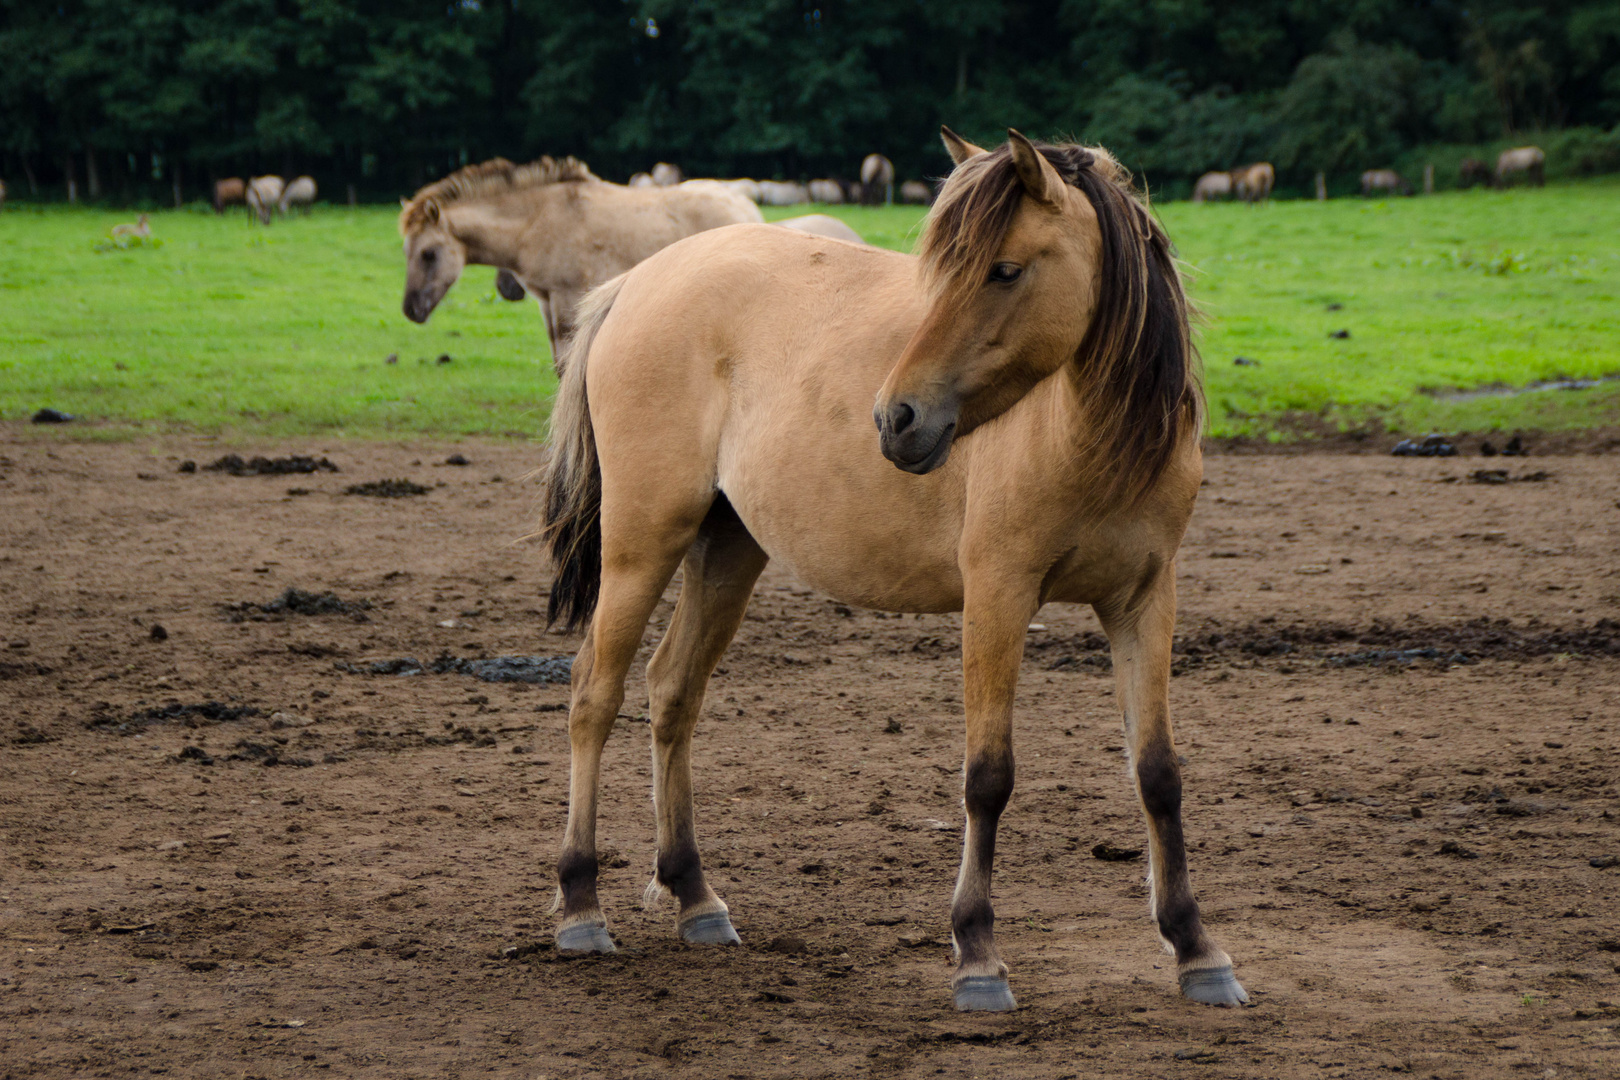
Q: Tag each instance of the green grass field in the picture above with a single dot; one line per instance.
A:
(227, 328)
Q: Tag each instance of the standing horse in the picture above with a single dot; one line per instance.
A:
(1384, 181)
(264, 195)
(1035, 384)
(877, 180)
(1528, 160)
(554, 225)
(301, 192)
(1474, 171)
(916, 191)
(1212, 185)
(826, 191)
(229, 192)
(1253, 183)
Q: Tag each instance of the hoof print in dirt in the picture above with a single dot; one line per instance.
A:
(386, 489)
(268, 756)
(187, 467)
(1428, 446)
(194, 753)
(29, 735)
(1110, 853)
(1451, 847)
(52, 416)
(263, 466)
(457, 459)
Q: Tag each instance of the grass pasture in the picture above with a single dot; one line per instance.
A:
(223, 327)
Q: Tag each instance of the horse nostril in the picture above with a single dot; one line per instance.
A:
(901, 417)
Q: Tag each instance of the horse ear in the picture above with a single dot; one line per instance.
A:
(403, 202)
(1041, 181)
(959, 148)
(431, 209)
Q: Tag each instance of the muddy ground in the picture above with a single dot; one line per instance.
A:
(1398, 695)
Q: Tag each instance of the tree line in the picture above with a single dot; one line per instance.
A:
(142, 98)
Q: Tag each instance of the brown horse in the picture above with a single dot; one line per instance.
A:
(229, 192)
(1253, 183)
(1035, 384)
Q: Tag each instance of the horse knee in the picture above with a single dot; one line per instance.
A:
(1158, 778)
(988, 784)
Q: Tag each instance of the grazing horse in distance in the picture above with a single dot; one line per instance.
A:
(231, 191)
(917, 192)
(826, 191)
(782, 193)
(748, 189)
(1385, 182)
(1212, 185)
(301, 192)
(640, 180)
(1037, 400)
(1528, 160)
(1474, 171)
(554, 225)
(877, 180)
(1253, 183)
(264, 195)
(666, 175)
(822, 225)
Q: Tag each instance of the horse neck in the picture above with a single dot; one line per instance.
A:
(492, 231)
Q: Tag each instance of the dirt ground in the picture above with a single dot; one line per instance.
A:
(235, 848)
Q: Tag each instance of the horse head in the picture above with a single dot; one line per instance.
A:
(1037, 259)
(434, 257)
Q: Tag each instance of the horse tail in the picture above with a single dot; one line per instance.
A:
(573, 513)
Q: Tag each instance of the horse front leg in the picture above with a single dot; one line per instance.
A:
(994, 621)
(1140, 634)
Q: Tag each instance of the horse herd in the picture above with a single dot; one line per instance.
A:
(1252, 183)
(875, 187)
(264, 194)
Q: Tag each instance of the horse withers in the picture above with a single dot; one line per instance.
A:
(1037, 401)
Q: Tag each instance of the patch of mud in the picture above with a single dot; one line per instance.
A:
(235, 465)
(191, 716)
(298, 602)
(1466, 643)
(386, 489)
(497, 669)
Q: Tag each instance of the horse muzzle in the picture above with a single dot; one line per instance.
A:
(915, 438)
(419, 305)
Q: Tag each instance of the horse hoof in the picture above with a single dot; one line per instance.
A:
(983, 993)
(585, 938)
(712, 929)
(1214, 986)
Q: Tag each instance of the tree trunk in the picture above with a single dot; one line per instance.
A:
(33, 181)
(351, 195)
(1321, 187)
(91, 176)
(72, 181)
(175, 175)
(1428, 179)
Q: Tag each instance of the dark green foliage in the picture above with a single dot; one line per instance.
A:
(120, 94)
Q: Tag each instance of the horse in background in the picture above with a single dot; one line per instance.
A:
(748, 189)
(1474, 171)
(917, 193)
(1384, 182)
(782, 193)
(1253, 183)
(141, 230)
(554, 225)
(232, 191)
(264, 196)
(301, 192)
(826, 191)
(877, 180)
(1529, 160)
(1212, 185)
(1037, 396)
(666, 175)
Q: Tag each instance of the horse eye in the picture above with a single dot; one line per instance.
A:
(430, 255)
(1005, 273)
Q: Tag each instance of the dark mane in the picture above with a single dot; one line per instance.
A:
(1136, 369)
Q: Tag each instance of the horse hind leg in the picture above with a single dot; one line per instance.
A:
(1140, 636)
(720, 570)
(632, 582)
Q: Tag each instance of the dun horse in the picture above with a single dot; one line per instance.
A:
(264, 196)
(1212, 185)
(1253, 183)
(1528, 160)
(1037, 395)
(557, 228)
